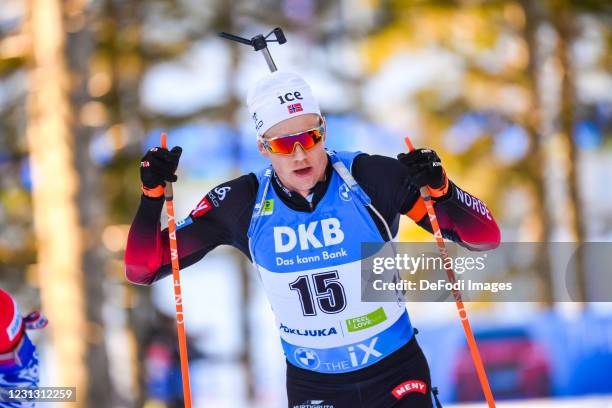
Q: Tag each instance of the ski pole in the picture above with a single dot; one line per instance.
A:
(178, 297)
(469, 335)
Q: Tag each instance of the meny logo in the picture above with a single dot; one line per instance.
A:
(408, 387)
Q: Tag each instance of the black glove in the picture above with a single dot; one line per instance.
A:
(158, 166)
(424, 168)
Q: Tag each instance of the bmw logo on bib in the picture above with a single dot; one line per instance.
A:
(307, 357)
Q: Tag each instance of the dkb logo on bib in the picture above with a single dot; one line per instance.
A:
(285, 238)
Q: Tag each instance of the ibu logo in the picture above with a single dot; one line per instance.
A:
(314, 235)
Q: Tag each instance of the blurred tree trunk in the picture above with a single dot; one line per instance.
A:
(55, 184)
(536, 158)
(119, 39)
(79, 49)
(66, 208)
(565, 24)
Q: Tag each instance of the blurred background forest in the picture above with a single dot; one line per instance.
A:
(514, 95)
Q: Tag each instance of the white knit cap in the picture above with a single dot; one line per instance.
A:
(279, 96)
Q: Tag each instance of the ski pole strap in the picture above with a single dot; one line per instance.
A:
(440, 191)
(155, 192)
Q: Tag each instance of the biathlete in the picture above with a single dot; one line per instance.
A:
(18, 358)
(301, 222)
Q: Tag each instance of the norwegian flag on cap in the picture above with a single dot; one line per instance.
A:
(296, 107)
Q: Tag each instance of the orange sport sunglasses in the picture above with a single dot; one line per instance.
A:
(286, 144)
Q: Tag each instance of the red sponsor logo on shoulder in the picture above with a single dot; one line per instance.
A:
(202, 208)
(409, 386)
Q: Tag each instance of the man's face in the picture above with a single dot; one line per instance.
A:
(302, 169)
